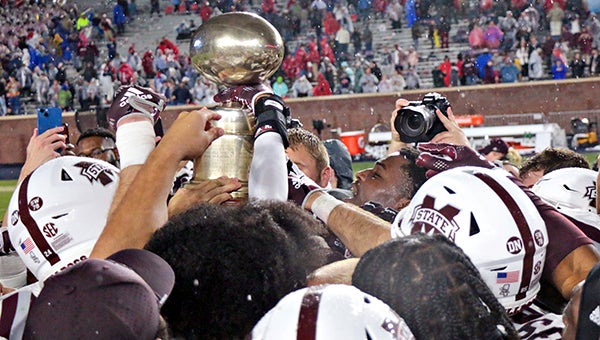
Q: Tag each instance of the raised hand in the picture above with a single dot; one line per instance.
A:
(243, 94)
(133, 100)
(454, 134)
(269, 109)
(42, 148)
(437, 157)
(191, 133)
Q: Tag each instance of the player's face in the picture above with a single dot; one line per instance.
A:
(385, 183)
(531, 177)
(571, 313)
(97, 147)
(306, 163)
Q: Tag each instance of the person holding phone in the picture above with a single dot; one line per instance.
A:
(49, 118)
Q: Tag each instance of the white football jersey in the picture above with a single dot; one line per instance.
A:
(14, 308)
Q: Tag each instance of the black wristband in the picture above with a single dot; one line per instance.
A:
(269, 102)
(272, 115)
(272, 120)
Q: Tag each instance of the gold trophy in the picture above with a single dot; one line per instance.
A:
(234, 49)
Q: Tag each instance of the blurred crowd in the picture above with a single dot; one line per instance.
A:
(59, 55)
(520, 41)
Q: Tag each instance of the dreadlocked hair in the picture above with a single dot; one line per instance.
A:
(431, 283)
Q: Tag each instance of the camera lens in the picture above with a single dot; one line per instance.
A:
(414, 121)
(413, 124)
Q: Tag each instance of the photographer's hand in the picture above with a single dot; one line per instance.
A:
(396, 144)
(454, 134)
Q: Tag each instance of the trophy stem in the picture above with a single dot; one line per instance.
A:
(231, 154)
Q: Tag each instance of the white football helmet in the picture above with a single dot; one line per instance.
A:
(58, 212)
(492, 220)
(572, 191)
(331, 312)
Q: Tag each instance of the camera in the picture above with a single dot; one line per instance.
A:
(418, 122)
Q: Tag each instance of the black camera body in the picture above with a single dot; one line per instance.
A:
(418, 122)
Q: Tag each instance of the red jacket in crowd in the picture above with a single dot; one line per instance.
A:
(301, 57)
(268, 6)
(168, 44)
(326, 50)
(148, 63)
(125, 74)
(313, 54)
(330, 24)
(205, 12)
(322, 88)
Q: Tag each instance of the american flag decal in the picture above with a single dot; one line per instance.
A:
(27, 245)
(507, 277)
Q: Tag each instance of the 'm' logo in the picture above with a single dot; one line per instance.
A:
(96, 172)
(429, 220)
(591, 194)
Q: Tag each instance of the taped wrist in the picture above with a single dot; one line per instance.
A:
(272, 115)
(323, 205)
(135, 142)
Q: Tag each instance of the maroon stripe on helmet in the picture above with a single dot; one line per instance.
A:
(307, 320)
(519, 217)
(32, 227)
(7, 317)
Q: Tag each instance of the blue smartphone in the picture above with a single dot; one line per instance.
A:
(48, 118)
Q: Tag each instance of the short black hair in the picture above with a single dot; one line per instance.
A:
(233, 264)
(417, 173)
(431, 283)
(97, 132)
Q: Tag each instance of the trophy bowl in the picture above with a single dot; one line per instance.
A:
(236, 48)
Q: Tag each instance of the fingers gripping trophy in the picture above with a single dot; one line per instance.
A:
(234, 49)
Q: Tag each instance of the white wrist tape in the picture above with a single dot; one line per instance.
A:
(135, 142)
(323, 205)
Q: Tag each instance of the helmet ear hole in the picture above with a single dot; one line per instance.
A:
(450, 191)
(64, 176)
(474, 230)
